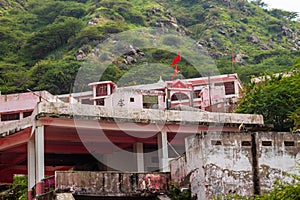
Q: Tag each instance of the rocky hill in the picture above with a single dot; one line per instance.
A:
(44, 43)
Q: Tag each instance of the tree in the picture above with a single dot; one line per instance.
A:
(278, 13)
(260, 3)
(275, 99)
(52, 37)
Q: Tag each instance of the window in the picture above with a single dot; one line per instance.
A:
(196, 94)
(266, 143)
(131, 99)
(229, 88)
(101, 90)
(100, 102)
(246, 143)
(9, 117)
(216, 142)
(179, 96)
(289, 143)
(27, 114)
(150, 101)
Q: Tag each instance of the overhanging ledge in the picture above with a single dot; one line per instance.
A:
(90, 112)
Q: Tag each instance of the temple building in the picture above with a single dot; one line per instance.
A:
(129, 133)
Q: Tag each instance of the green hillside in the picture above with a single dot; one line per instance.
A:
(40, 40)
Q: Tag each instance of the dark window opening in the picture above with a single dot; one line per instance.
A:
(246, 143)
(100, 102)
(131, 99)
(229, 88)
(289, 143)
(196, 94)
(179, 97)
(27, 114)
(101, 90)
(216, 142)
(150, 102)
(266, 143)
(9, 117)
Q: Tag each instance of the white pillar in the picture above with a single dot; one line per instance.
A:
(21, 115)
(94, 93)
(138, 149)
(108, 89)
(31, 166)
(236, 88)
(163, 155)
(40, 168)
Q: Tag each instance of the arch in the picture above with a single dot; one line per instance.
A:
(178, 96)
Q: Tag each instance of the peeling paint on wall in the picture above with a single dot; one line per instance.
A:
(111, 183)
(227, 162)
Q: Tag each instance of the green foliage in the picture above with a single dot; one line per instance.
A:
(47, 11)
(52, 37)
(278, 13)
(176, 194)
(18, 190)
(275, 99)
(35, 31)
(282, 191)
(55, 76)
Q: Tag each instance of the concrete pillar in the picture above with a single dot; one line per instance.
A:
(21, 115)
(139, 150)
(31, 166)
(39, 164)
(236, 88)
(94, 93)
(163, 154)
(108, 89)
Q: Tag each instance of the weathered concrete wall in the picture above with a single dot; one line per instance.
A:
(111, 183)
(278, 154)
(195, 162)
(227, 160)
(146, 115)
(178, 171)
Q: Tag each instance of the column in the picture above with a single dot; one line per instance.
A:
(31, 166)
(21, 115)
(39, 149)
(163, 155)
(108, 87)
(236, 88)
(94, 94)
(139, 150)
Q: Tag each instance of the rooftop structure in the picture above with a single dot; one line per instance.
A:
(215, 93)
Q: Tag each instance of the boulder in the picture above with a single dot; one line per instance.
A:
(254, 39)
(80, 55)
(265, 47)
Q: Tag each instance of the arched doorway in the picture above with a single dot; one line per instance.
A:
(179, 97)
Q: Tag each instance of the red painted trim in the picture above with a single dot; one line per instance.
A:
(30, 197)
(15, 139)
(39, 188)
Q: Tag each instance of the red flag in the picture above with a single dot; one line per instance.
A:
(176, 59)
(175, 71)
(233, 58)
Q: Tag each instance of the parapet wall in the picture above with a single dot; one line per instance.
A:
(146, 115)
(117, 184)
(223, 163)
